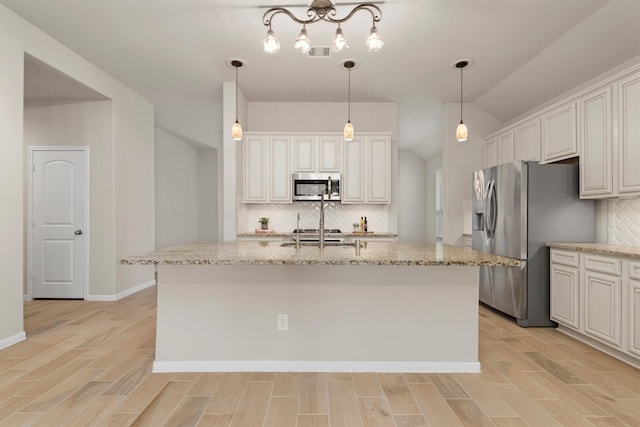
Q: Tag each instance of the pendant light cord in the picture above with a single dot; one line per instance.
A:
(236, 93)
(461, 94)
(349, 96)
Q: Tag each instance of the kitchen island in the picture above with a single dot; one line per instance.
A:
(259, 306)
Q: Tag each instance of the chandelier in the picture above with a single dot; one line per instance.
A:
(321, 10)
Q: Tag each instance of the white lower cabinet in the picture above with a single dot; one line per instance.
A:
(596, 298)
(602, 307)
(633, 297)
(565, 293)
(634, 321)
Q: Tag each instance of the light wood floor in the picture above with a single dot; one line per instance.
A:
(88, 363)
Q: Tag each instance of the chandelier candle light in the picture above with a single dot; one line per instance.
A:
(461, 131)
(236, 130)
(322, 10)
(348, 128)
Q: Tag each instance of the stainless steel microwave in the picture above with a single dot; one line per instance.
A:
(311, 186)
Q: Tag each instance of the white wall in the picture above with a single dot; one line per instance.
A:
(322, 116)
(459, 161)
(411, 196)
(84, 124)
(207, 195)
(176, 190)
(132, 162)
(433, 163)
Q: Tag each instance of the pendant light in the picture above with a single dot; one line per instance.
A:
(339, 42)
(302, 42)
(236, 130)
(348, 128)
(461, 131)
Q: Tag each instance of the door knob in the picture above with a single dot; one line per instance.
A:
(77, 232)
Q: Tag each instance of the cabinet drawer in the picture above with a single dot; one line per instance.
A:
(571, 259)
(634, 270)
(603, 264)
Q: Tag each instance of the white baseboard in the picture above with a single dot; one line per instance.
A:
(25, 297)
(319, 366)
(122, 294)
(627, 358)
(4, 343)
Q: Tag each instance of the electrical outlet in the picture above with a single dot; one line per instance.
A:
(283, 322)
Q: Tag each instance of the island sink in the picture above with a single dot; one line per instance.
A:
(316, 243)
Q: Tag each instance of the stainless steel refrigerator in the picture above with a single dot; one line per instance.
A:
(517, 208)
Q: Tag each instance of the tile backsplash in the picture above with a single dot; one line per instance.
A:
(624, 222)
(283, 216)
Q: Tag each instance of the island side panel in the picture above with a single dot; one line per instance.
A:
(341, 318)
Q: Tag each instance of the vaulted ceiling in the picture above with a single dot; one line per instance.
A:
(175, 54)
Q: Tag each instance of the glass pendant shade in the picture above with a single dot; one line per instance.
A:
(461, 132)
(236, 131)
(339, 42)
(348, 131)
(374, 41)
(271, 43)
(302, 42)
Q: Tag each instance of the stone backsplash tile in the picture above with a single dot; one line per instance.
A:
(624, 222)
(283, 216)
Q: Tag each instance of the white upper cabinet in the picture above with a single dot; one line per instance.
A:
(352, 184)
(610, 138)
(304, 154)
(269, 159)
(628, 93)
(518, 142)
(600, 124)
(315, 154)
(505, 147)
(330, 150)
(367, 170)
(559, 140)
(280, 169)
(596, 136)
(255, 168)
(491, 152)
(266, 169)
(527, 140)
(379, 169)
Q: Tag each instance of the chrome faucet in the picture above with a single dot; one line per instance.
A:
(321, 227)
(298, 233)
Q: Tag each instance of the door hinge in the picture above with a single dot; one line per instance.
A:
(33, 223)
(33, 168)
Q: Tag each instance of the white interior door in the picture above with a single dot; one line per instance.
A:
(58, 215)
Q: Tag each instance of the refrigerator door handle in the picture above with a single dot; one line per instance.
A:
(491, 215)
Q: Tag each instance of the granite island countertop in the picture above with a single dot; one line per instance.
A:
(272, 253)
(600, 248)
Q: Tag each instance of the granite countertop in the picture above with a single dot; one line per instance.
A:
(271, 253)
(347, 235)
(600, 248)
